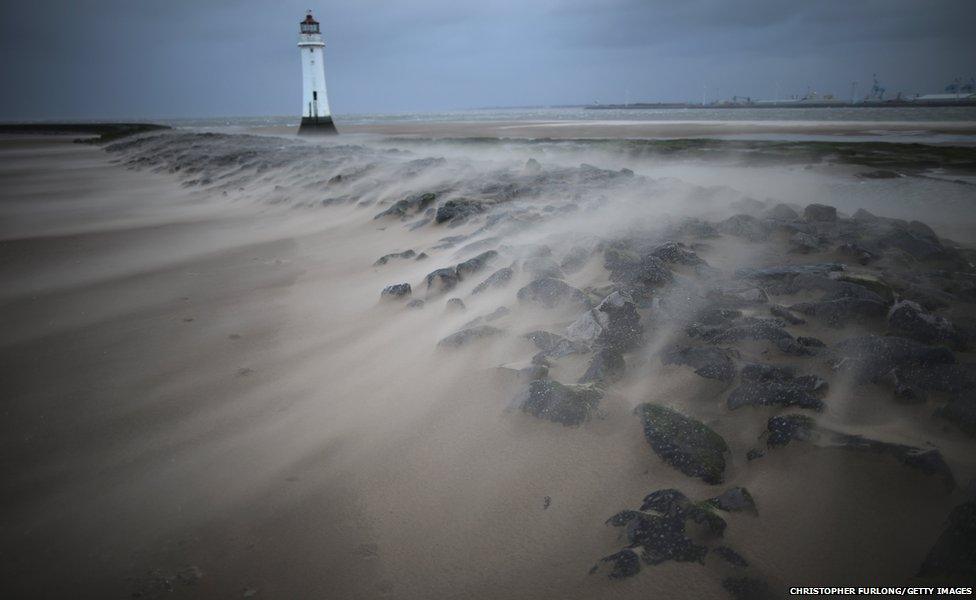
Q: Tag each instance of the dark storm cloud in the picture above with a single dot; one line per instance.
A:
(132, 58)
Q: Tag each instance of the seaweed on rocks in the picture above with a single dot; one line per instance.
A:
(685, 443)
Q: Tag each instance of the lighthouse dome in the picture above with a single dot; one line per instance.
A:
(309, 25)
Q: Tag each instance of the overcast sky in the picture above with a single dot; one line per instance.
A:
(203, 58)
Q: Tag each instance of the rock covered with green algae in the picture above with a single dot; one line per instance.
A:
(560, 403)
(686, 444)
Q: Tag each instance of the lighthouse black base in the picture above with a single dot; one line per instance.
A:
(317, 126)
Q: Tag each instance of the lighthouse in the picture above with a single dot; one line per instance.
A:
(316, 116)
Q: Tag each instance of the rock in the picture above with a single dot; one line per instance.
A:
(961, 411)
(856, 251)
(764, 372)
(607, 364)
(744, 226)
(871, 357)
(765, 385)
(569, 405)
(422, 256)
(730, 556)
(466, 336)
(575, 259)
(804, 243)
(676, 253)
(498, 279)
(411, 204)
(748, 205)
(386, 258)
(746, 588)
(622, 330)
(708, 361)
(786, 314)
(752, 328)
(442, 280)
(735, 499)
(781, 431)
(397, 291)
(686, 444)
(953, 557)
(780, 273)
(457, 211)
(909, 319)
(782, 212)
(476, 264)
(551, 293)
(865, 216)
(542, 266)
(555, 346)
(625, 563)
(819, 212)
(916, 245)
(638, 273)
(455, 305)
(588, 327)
(810, 342)
(415, 303)
(841, 310)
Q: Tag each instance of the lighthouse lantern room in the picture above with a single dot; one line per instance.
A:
(316, 115)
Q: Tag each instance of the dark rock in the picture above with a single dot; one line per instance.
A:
(676, 253)
(730, 556)
(782, 212)
(751, 328)
(804, 243)
(773, 393)
(385, 259)
(764, 372)
(819, 212)
(787, 271)
(625, 563)
(466, 336)
(686, 444)
(708, 361)
(810, 342)
(744, 226)
(786, 314)
(498, 279)
(415, 303)
(746, 588)
(735, 499)
(422, 256)
(639, 273)
(953, 557)
(459, 210)
(555, 346)
(442, 280)
(961, 411)
(554, 401)
(607, 364)
(575, 259)
(399, 290)
(780, 431)
(622, 330)
(910, 320)
(550, 293)
(916, 245)
(411, 204)
(841, 310)
(871, 357)
(455, 305)
(542, 266)
(856, 251)
(476, 264)
(865, 216)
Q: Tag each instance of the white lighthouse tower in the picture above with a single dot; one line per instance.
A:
(316, 116)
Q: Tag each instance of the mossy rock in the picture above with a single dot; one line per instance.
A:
(686, 444)
(566, 404)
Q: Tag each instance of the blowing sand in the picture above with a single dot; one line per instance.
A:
(204, 397)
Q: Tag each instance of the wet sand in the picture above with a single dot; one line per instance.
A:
(203, 398)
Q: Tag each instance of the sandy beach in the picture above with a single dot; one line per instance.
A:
(206, 397)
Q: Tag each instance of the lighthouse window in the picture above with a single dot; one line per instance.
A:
(315, 95)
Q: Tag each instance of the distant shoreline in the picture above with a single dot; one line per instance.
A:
(789, 104)
(106, 132)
